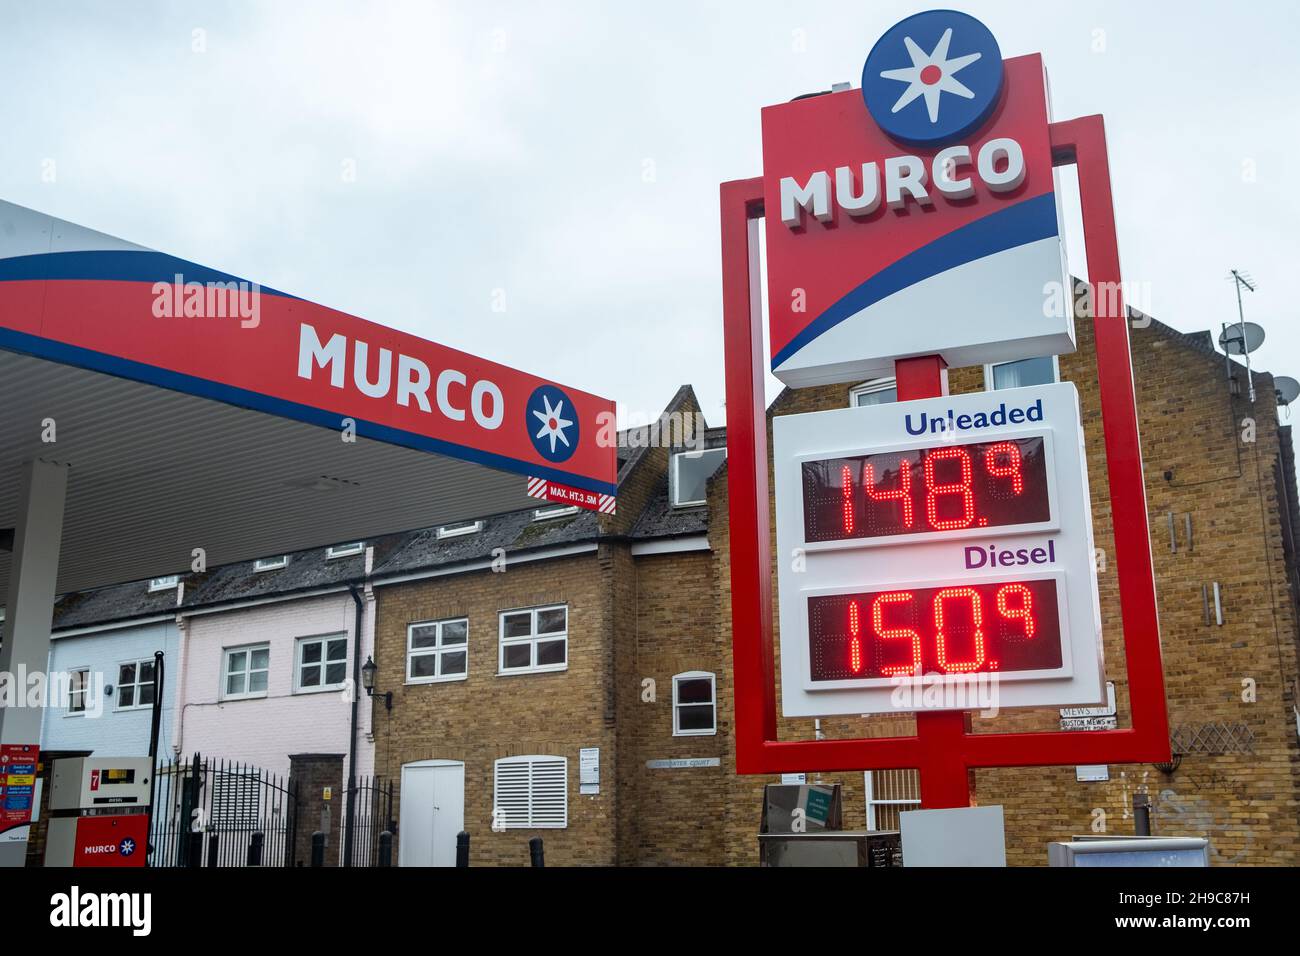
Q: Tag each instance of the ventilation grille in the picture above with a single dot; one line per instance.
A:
(532, 792)
(236, 801)
(1212, 738)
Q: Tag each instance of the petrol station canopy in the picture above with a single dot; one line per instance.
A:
(197, 410)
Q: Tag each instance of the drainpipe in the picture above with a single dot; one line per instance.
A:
(352, 738)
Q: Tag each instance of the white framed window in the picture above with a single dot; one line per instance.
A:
(166, 582)
(437, 651)
(889, 792)
(244, 671)
(135, 684)
(78, 688)
(557, 511)
(344, 550)
(1032, 371)
(531, 793)
(534, 640)
(459, 528)
(322, 663)
(689, 473)
(878, 391)
(271, 564)
(695, 710)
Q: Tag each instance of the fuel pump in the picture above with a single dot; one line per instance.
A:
(99, 812)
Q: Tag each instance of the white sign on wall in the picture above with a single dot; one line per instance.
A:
(589, 770)
(937, 555)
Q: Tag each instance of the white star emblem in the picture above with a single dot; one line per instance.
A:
(553, 425)
(930, 75)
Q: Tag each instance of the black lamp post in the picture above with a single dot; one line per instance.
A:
(368, 682)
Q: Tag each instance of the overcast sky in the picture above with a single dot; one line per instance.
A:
(415, 163)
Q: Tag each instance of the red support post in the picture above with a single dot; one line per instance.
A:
(945, 780)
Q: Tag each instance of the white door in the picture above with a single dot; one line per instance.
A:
(432, 812)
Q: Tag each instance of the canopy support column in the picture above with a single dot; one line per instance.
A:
(29, 614)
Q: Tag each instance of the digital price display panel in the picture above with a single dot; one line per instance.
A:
(961, 629)
(948, 487)
(934, 542)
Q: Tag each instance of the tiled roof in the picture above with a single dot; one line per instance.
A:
(310, 570)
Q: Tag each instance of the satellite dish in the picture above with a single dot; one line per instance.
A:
(1230, 339)
(1287, 389)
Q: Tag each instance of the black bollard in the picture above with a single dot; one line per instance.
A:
(195, 856)
(386, 848)
(462, 848)
(255, 849)
(535, 851)
(318, 849)
(212, 849)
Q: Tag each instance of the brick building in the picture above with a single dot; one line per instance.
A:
(646, 616)
(1220, 487)
(524, 649)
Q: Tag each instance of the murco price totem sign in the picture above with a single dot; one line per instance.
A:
(944, 541)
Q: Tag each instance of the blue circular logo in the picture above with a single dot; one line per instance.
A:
(126, 847)
(552, 423)
(933, 77)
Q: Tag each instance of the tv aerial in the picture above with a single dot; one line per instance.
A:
(1244, 337)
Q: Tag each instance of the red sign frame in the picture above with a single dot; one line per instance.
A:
(943, 749)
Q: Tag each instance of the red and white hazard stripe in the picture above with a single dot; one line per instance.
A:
(568, 495)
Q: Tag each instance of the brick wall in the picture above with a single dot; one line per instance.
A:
(674, 813)
(1191, 429)
(488, 716)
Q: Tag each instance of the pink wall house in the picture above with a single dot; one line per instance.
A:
(274, 677)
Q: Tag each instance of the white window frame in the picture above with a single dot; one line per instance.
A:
(872, 803)
(271, 564)
(344, 550)
(533, 638)
(674, 480)
(117, 687)
(713, 702)
(249, 670)
(459, 528)
(85, 691)
(164, 583)
(503, 819)
(989, 367)
(438, 651)
(872, 385)
(558, 511)
(323, 639)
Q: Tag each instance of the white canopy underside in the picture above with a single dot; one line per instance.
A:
(155, 474)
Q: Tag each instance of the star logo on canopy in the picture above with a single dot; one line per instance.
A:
(931, 75)
(553, 424)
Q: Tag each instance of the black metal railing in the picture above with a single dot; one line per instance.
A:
(368, 808)
(247, 816)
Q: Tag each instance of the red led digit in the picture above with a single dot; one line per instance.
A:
(902, 494)
(1024, 613)
(941, 640)
(846, 486)
(935, 490)
(1012, 467)
(855, 645)
(895, 633)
